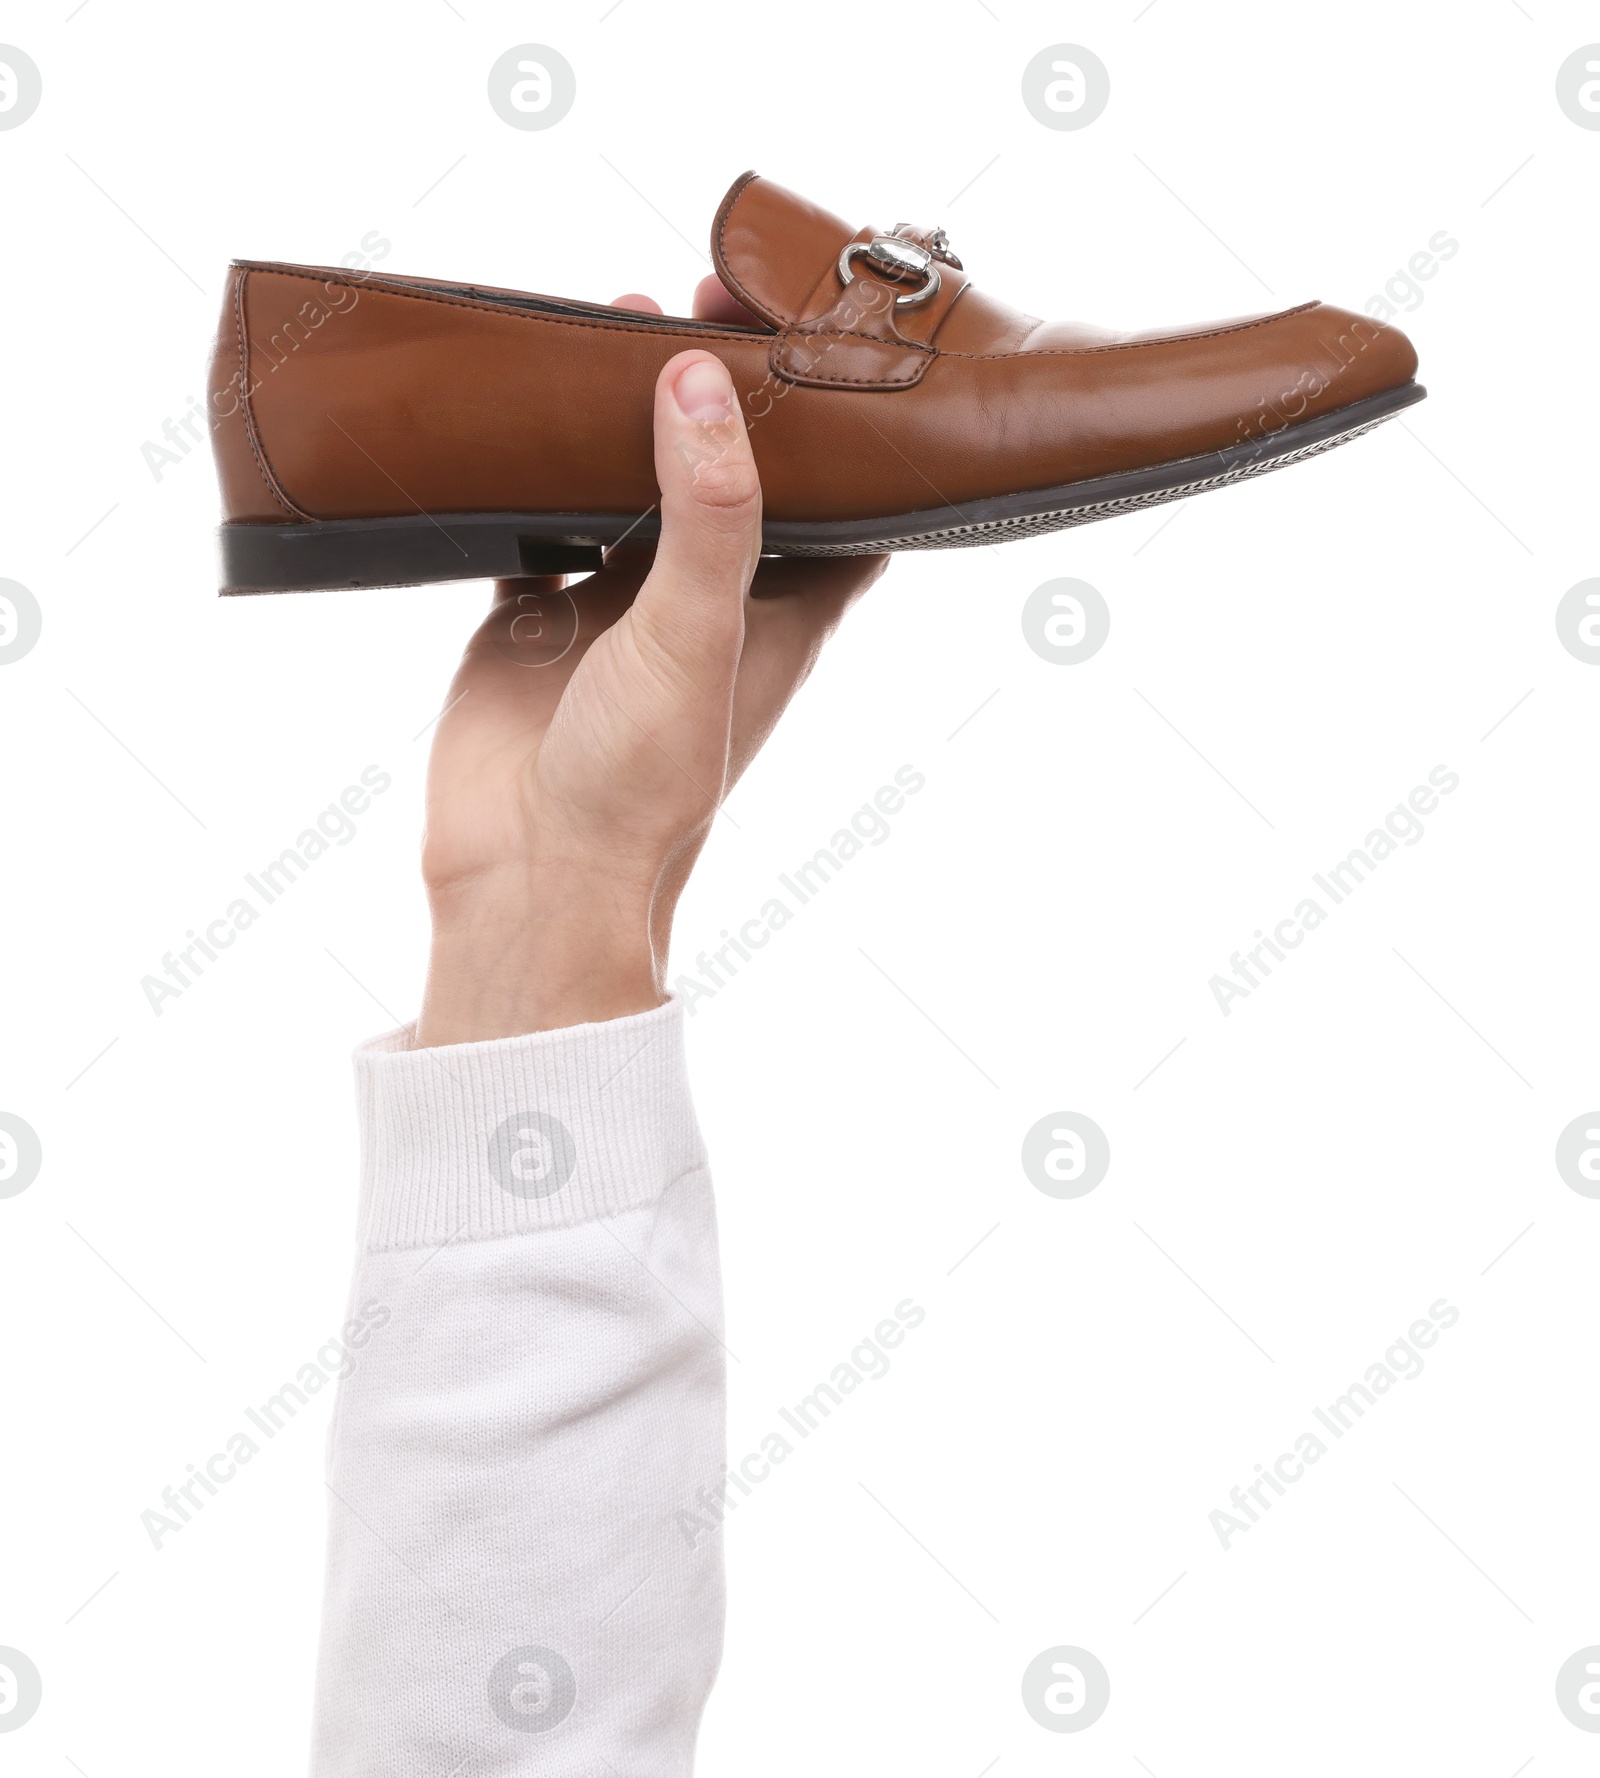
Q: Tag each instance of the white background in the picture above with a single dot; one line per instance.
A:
(1365, 1134)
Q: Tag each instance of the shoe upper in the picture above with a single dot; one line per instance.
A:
(875, 377)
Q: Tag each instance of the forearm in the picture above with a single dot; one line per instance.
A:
(509, 1457)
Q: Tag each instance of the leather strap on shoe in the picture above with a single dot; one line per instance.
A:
(855, 344)
(856, 311)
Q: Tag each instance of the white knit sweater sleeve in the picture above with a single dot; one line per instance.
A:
(537, 1394)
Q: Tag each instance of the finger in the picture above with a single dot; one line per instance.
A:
(644, 305)
(629, 560)
(785, 580)
(527, 583)
(784, 637)
(533, 623)
(516, 669)
(713, 301)
(710, 512)
(511, 677)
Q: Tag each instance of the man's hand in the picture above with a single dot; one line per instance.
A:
(589, 737)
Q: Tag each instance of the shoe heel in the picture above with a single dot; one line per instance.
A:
(326, 554)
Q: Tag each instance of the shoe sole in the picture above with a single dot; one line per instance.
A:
(325, 554)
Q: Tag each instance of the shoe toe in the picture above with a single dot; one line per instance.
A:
(1353, 354)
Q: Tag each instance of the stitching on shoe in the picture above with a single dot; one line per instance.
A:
(813, 379)
(248, 412)
(689, 332)
(846, 333)
(739, 290)
(821, 377)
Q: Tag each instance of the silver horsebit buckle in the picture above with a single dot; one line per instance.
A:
(900, 258)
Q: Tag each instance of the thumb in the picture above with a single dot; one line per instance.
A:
(710, 503)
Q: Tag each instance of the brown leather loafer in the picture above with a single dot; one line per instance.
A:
(373, 430)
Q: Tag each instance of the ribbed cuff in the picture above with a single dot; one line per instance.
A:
(479, 1140)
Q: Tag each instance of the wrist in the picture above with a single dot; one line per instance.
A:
(537, 956)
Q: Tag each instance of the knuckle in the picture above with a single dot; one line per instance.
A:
(727, 483)
(719, 470)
